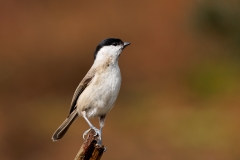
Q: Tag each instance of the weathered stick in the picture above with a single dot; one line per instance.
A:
(89, 149)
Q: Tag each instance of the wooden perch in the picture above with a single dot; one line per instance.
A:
(89, 149)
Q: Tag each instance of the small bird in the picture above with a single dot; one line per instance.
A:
(98, 91)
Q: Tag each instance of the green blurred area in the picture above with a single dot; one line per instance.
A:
(180, 94)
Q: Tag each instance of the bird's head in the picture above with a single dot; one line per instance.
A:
(110, 47)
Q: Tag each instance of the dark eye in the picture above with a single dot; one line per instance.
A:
(114, 43)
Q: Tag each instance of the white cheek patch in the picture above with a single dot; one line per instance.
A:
(106, 51)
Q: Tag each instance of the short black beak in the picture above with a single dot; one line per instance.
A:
(126, 44)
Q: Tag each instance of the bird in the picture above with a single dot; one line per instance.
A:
(97, 92)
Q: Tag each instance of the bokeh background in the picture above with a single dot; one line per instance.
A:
(180, 95)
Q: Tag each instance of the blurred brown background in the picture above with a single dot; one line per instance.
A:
(180, 94)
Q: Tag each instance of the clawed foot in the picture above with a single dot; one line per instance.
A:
(105, 149)
(100, 146)
(97, 132)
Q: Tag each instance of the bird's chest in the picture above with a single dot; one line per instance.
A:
(108, 81)
(99, 97)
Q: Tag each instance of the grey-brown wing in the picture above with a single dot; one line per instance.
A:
(82, 85)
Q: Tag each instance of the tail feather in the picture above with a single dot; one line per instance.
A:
(60, 132)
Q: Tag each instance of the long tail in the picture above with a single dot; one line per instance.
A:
(60, 132)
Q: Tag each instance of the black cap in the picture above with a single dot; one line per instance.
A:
(107, 42)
